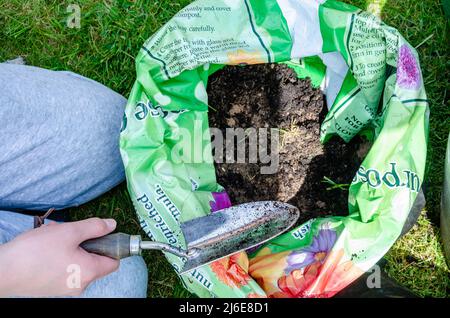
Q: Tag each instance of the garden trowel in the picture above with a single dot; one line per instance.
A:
(210, 237)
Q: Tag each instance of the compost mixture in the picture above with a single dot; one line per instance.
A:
(271, 95)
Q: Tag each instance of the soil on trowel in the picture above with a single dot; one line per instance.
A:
(271, 95)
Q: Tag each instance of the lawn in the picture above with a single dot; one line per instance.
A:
(104, 48)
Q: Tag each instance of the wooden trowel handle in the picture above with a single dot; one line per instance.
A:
(117, 245)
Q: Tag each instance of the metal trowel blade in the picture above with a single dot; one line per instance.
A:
(234, 229)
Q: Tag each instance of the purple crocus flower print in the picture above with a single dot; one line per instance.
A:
(321, 245)
(221, 201)
(408, 73)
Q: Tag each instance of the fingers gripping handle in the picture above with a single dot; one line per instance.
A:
(117, 245)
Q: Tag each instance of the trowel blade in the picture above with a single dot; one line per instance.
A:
(234, 229)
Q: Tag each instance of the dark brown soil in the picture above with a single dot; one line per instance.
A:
(271, 95)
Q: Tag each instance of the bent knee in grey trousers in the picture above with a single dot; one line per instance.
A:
(59, 138)
(59, 147)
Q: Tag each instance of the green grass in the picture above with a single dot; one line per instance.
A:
(417, 261)
(110, 36)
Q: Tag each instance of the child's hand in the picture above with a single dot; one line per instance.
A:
(49, 262)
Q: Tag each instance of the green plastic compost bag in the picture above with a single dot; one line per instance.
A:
(373, 85)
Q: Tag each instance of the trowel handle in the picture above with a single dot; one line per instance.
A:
(117, 245)
(121, 245)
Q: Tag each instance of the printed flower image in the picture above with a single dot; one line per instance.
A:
(316, 252)
(221, 201)
(232, 270)
(294, 284)
(408, 74)
(245, 57)
(303, 265)
(267, 267)
(318, 279)
(255, 295)
(317, 270)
